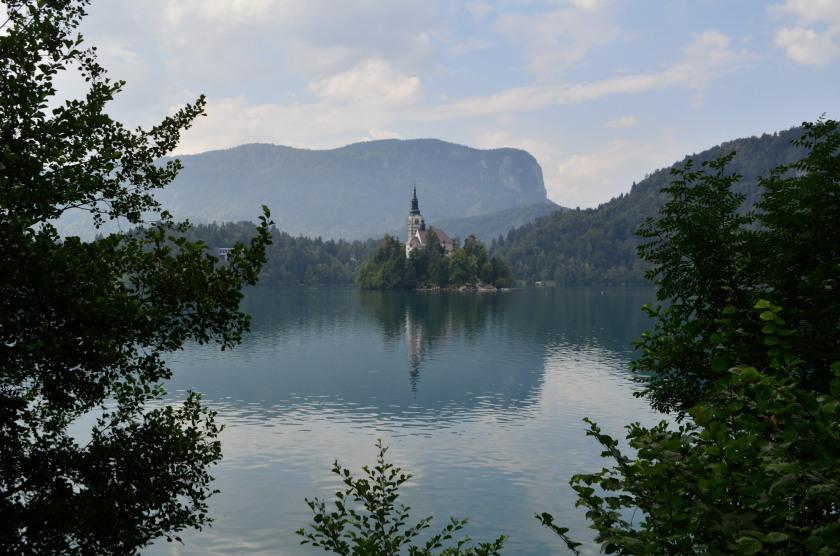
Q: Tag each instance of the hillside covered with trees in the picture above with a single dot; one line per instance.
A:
(293, 261)
(487, 227)
(298, 261)
(598, 246)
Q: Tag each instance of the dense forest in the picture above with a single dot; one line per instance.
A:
(294, 261)
(430, 267)
(598, 246)
(486, 227)
(374, 264)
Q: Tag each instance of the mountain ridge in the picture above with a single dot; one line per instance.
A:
(355, 191)
(598, 246)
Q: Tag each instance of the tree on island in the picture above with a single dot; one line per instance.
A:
(388, 269)
(85, 326)
(429, 266)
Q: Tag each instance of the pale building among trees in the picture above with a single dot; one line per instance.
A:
(417, 235)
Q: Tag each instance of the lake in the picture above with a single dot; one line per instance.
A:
(479, 396)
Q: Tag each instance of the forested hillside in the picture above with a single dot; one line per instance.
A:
(486, 227)
(489, 226)
(598, 246)
(294, 261)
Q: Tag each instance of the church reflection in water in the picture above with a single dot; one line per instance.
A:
(481, 330)
(428, 323)
(415, 340)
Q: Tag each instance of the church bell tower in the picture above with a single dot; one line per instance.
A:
(415, 219)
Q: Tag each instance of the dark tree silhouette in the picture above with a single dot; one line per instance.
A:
(84, 326)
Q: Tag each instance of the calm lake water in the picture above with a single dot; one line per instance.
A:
(479, 396)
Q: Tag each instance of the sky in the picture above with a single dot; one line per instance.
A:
(601, 92)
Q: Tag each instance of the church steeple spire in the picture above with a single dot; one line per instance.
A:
(414, 222)
(415, 205)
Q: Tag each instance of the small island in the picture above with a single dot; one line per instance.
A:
(431, 260)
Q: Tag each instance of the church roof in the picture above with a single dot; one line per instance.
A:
(414, 242)
(440, 234)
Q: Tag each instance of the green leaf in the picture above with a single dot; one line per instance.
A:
(775, 537)
(748, 545)
(748, 373)
(720, 364)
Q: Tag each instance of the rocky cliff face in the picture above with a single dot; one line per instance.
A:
(354, 191)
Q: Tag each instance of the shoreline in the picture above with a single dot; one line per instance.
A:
(463, 289)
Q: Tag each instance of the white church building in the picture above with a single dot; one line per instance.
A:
(418, 235)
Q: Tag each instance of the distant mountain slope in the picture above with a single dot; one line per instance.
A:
(488, 227)
(598, 246)
(355, 191)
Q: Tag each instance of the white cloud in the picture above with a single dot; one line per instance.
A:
(815, 39)
(221, 12)
(479, 9)
(706, 58)
(622, 123)
(376, 134)
(373, 80)
(321, 124)
(468, 46)
(587, 178)
(813, 11)
(556, 40)
(590, 4)
(808, 47)
(229, 41)
(492, 139)
(310, 59)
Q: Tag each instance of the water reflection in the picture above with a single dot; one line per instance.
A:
(395, 354)
(425, 322)
(479, 396)
(434, 350)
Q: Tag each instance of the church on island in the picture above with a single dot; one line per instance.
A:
(418, 235)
